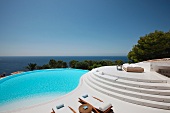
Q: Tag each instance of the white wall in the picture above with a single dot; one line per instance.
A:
(155, 66)
(145, 65)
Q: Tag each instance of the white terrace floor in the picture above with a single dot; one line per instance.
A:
(145, 92)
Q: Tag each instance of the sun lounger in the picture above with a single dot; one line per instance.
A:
(97, 104)
(133, 68)
(63, 109)
(53, 111)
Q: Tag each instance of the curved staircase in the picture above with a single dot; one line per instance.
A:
(150, 93)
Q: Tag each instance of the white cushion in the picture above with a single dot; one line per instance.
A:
(104, 106)
(126, 65)
(130, 65)
(134, 65)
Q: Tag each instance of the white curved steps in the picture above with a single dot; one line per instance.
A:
(126, 90)
(137, 80)
(111, 81)
(135, 83)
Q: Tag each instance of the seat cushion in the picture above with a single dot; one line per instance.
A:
(104, 106)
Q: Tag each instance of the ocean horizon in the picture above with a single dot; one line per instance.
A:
(9, 64)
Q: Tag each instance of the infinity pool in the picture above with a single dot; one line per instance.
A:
(39, 83)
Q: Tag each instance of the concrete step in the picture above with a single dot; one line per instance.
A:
(138, 93)
(133, 79)
(114, 83)
(147, 77)
(103, 89)
(159, 86)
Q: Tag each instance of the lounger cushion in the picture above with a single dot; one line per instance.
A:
(132, 68)
(134, 65)
(130, 65)
(85, 96)
(104, 106)
(90, 100)
(60, 106)
(85, 107)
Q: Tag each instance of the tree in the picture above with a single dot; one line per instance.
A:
(52, 63)
(31, 66)
(90, 62)
(39, 67)
(94, 66)
(64, 65)
(46, 66)
(119, 62)
(152, 46)
(72, 63)
(109, 62)
(81, 65)
(103, 63)
(59, 64)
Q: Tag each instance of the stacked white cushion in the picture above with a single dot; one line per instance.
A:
(104, 106)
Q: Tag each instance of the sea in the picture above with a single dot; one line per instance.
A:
(9, 64)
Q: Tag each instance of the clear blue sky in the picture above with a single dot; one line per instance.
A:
(78, 27)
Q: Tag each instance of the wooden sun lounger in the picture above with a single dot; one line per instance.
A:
(84, 102)
(96, 110)
(98, 99)
(53, 111)
(72, 109)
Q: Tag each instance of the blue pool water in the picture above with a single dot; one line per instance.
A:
(40, 82)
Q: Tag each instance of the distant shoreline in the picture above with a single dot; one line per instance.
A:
(66, 56)
(9, 64)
